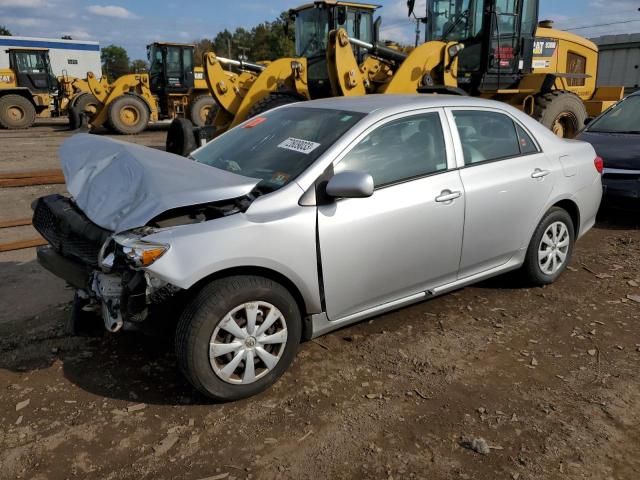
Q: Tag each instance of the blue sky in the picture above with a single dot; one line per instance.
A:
(134, 24)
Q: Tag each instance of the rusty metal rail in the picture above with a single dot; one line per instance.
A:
(33, 177)
(19, 244)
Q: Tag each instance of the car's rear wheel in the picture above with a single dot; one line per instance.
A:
(238, 336)
(550, 249)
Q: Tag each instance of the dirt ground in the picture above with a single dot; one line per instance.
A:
(548, 377)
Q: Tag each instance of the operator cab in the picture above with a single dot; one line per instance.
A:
(313, 23)
(170, 68)
(33, 69)
(498, 36)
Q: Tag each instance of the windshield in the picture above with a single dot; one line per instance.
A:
(622, 118)
(454, 20)
(277, 146)
(32, 62)
(312, 32)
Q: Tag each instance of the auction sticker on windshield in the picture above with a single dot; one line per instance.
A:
(298, 145)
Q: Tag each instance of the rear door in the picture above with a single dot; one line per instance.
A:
(406, 238)
(507, 182)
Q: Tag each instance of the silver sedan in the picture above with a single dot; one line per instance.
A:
(310, 217)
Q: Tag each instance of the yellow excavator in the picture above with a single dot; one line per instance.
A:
(489, 48)
(173, 88)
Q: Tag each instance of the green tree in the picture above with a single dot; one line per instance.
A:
(139, 66)
(4, 31)
(115, 61)
(203, 46)
(266, 41)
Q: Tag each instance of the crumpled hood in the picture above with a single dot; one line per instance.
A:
(121, 186)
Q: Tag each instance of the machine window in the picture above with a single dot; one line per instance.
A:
(576, 64)
(399, 150)
(30, 62)
(487, 136)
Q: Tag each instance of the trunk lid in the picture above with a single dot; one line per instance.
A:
(618, 150)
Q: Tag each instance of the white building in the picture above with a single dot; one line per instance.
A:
(71, 57)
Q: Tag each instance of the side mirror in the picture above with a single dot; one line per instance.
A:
(588, 120)
(376, 30)
(350, 184)
(411, 5)
(342, 15)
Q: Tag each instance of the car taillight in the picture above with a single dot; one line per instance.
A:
(599, 164)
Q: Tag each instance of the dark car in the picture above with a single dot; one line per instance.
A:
(615, 135)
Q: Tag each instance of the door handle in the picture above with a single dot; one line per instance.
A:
(447, 196)
(538, 173)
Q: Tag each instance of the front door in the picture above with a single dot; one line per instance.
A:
(507, 182)
(406, 238)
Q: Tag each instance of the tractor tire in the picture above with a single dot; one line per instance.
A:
(180, 138)
(200, 108)
(211, 115)
(16, 112)
(128, 115)
(560, 111)
(87, 103)
(75, 120)
(274, 100)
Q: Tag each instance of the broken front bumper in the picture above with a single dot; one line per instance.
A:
(122, 293)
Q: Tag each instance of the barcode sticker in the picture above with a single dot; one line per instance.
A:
(298, 145)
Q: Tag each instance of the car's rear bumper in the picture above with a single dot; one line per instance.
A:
(621, 188)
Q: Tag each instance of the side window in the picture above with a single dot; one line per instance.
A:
(399, 150)
(526, 144)
(486, 136)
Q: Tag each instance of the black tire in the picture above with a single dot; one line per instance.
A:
(531, 270)
(180, 137)
(208, 309)
(273, 100)
(131, 108)
(561, 111)
(75, 120)
(200, 108)
(211, 115)
(82, 323)
(87, 103)
(16, 112)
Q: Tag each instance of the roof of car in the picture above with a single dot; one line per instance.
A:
(398, 103)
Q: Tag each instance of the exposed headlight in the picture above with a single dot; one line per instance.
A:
(140, 253)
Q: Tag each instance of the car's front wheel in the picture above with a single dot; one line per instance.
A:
(238, 336)
(550, 249)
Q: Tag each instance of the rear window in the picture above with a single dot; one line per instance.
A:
(621, 118)
(277, 146)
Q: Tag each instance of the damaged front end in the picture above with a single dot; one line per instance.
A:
(107, 270)
(122, 193)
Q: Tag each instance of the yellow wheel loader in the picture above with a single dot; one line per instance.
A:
(75, 92)
(173, 88)
(255, 88)
(488, 48)
(27, 88)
